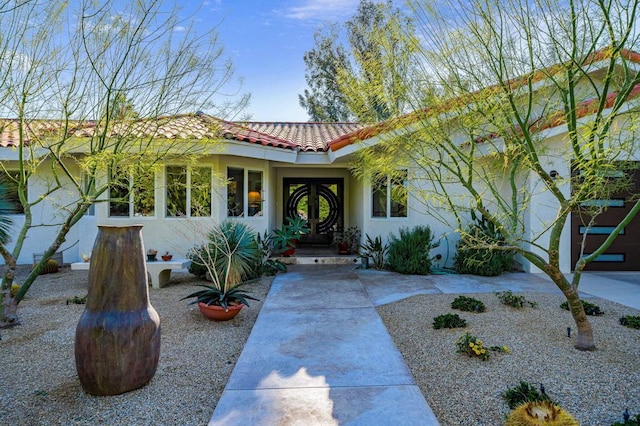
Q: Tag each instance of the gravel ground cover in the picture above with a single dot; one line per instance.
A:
(39, 383)
(595, 386)
(40, 386)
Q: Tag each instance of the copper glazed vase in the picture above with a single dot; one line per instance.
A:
(117, 343)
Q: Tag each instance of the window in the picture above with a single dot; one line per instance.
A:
(131, 193)
(244, 192)
(9, 181)
(188, 191)
(389, 195)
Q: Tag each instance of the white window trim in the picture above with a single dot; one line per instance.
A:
(388, 200)
(245, 192)
(187, 214)
(132, 214)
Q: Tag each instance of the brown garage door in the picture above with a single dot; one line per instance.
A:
(624, 253)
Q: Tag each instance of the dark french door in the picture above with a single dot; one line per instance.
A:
(320, 201)
(624, 253)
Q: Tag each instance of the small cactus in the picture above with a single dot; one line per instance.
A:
(50, 267)
(540, 413)
(15, 288)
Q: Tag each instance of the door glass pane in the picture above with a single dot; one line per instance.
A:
(201, 191)
(176, 191)
(302, 206)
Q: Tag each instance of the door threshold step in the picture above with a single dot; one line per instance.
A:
(320, 260)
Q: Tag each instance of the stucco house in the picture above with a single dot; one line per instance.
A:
(261, 173)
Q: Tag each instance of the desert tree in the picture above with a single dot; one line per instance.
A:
(518, 89)
(87, 86)
(372, 49)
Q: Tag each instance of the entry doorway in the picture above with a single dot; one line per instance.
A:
(624, 252)
(320, 201)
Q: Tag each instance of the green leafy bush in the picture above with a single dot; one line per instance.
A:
(468, 304)
(471, 346)
(630, 321)
(524, 392)
(589, 308)
(473, 255)
(77, 300)
(231, 252)
(375, 250)
(515, 301)
(409, 254)
(448, 321)
(629, 420)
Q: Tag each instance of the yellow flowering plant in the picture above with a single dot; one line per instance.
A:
(471, 346)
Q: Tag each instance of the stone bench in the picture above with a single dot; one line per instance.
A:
(159, 271)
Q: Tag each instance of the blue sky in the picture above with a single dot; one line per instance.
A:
(266, 41)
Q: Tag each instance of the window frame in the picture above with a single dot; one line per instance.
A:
(131, 199)
(188, 213)
(247, 204)
(382, 183)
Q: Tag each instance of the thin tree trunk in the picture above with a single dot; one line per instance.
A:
(584, 341)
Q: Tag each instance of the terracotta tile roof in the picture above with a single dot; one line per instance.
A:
(306, 136)
(302, 136)
(583, 109)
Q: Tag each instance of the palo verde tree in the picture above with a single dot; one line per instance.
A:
(379, 54)
(518, 89)
(87, 85)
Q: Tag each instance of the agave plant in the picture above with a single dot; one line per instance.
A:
(214, 295)
(5, 220)
(228, 258)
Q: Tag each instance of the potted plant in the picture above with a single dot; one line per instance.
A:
(347, 241)
(167, 256)
(151, 255)
(228, 257)
(286, 238)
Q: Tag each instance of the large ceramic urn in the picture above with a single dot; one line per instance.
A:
(118, 336)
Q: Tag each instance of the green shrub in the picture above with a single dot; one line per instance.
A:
(515, 301)
(375, 250)
(448, 321)
(524, 392)
(77, 300)
(629, 420)
(589, 308)
(231, 251)
(630, 321)
(473, 256)
(468, 304)
(471, 346)
(197, 268)
(409, 254)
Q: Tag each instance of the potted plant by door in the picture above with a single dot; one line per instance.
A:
(347, 241)
(286, 238)
(228, 257)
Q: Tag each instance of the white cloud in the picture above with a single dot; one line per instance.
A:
(179, 29)
(321, 9)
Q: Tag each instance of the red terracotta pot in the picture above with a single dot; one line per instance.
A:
(167, 257)
(218, 313)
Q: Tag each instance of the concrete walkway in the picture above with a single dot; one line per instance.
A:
(319, 353)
